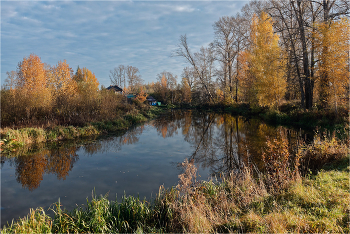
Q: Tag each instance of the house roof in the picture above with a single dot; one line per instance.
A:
(150, 99)
(115, 88)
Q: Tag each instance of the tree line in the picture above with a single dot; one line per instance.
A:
(269, 53)
(274, 51)
(43, 95)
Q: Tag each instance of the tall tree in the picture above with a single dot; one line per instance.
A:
(295, 20)
(185, 91)
(33, 83)
(267, 65)
(246, 79)
(134, 78)
(118, 76)
(189, 74)
(201, 63)
(230, 39)
(61, 80)
(87, 82)
(332, 43)
(168, 84)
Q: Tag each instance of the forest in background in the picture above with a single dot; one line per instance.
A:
(269, 54)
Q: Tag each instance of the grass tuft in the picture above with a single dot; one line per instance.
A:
(239, 202)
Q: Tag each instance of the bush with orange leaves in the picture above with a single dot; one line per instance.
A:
(280, 167)
(141, 96)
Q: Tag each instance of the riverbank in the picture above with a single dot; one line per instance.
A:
(293, 201)
(288, 114)
(12, 139)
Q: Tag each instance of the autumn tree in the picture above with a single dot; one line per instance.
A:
(332, 43)
(87, 82)
(248, 93)
(11, 80)
(33, 84)
(167, 86)
(266, 62)
(189, 74)
(296, 21)
(225, 53)
(163, 88)
(141, 96)
(61, 80)
(185, 91)
(150, 87)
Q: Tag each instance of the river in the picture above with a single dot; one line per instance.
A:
(136, 162)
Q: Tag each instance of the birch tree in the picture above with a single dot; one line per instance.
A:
(266, 62)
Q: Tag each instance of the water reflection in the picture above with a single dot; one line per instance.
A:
(58, 161)
(32, 163)
(219, 142)
(225, 143)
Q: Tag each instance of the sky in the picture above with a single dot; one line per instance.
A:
(101, 35)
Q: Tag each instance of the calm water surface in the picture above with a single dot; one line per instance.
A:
(135, 163)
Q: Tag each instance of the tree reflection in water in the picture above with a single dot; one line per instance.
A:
(33, 162)
(221, 142)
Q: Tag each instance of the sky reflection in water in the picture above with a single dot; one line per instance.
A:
(135, 163)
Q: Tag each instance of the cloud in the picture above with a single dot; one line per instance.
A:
(101, 35)
(184, 8)
(30, 20)
(50, 7)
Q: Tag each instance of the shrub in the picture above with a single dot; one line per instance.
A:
(279, 164)
(321, 151)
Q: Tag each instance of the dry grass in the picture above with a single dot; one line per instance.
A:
(239, 203)
(322, 151)
(281, 166)
(276, 202)
(209, 206)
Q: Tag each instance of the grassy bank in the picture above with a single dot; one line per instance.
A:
(289, 114)
(292, 201)
(11, 139)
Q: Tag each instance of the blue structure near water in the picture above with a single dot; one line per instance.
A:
(130, 96)
(151, 100)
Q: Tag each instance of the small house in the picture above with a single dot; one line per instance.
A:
(115, 88)
(151, 101)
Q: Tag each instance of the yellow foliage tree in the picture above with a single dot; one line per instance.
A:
(186, 91)
(332, 44)
(141, 96)
(220, 97)
(33, 84)
(267, 66)
(87, 82)
(61, 80)
(245, 79)
(163, 88)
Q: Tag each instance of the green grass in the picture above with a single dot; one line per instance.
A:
(12, 139)
(99, 215)
(289, 114)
